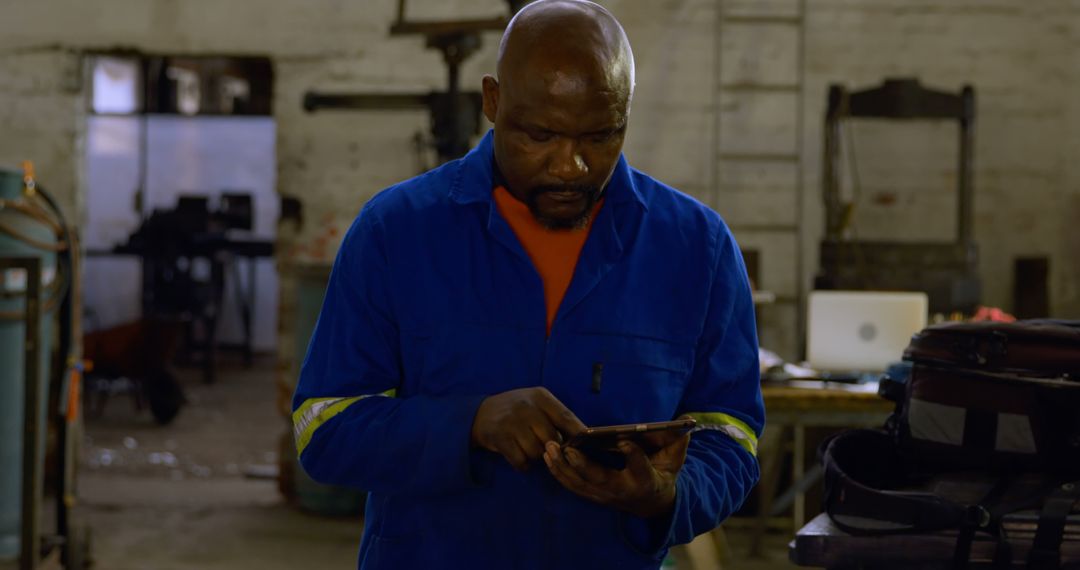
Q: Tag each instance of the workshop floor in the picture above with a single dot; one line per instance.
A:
(195, 494)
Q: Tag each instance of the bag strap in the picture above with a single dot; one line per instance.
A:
(911, 512)
(980, 517)
(1002, 554)
(1045, 551)
(901, 511)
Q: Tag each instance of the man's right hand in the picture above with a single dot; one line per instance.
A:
(517, 424)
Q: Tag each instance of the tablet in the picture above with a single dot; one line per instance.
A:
(601, 444)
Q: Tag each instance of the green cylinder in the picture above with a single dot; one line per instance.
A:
(312, 496)
(12, 356)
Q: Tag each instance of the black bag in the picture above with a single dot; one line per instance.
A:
(986, 431)
(992, 396)
(869, 491)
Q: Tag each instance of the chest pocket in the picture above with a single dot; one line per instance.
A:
(615, 379)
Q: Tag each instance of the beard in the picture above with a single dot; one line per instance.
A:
(579, 220)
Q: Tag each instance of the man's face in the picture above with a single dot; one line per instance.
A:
(558, 137)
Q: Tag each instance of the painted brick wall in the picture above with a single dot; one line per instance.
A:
(40, 110)
(1016, 53)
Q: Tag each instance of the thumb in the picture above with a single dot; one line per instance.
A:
(637, 463)
(659, 440)
(676, 453)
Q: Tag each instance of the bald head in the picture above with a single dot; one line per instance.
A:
(560, 106)
(560, 38)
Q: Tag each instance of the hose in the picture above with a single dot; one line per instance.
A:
(59, 288)
(67, 265)
(32, 242)
(33, 210)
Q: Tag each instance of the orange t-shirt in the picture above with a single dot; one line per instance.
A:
(554, 253)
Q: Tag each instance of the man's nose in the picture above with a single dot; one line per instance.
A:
(566, 162)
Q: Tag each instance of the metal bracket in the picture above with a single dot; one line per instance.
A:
(455, 114)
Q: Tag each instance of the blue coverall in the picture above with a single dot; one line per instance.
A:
(433, 305)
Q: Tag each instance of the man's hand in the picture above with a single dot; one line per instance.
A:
(645, 488)
(517, 424)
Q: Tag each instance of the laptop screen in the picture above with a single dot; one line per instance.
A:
(861, 331)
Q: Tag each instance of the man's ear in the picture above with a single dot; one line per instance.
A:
(491, 97)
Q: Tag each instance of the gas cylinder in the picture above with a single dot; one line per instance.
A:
(26, 230)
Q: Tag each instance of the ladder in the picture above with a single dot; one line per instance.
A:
(758, 170)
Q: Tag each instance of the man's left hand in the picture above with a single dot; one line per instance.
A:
(645, 488)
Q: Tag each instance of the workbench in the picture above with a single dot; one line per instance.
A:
(821, 544)
(790, 408)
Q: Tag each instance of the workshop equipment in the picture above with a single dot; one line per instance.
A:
(947, 272)
(39, 268)
(309, 495)
(171, 244)
(140, 351)
(26, 230)
(455, 114)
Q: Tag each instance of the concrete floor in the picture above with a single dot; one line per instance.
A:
(194, 494)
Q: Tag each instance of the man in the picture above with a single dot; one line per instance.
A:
(484, 312)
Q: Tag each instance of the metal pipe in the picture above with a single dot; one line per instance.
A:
(313, 101)
(800, 208)
(965, 211)
(831, 167)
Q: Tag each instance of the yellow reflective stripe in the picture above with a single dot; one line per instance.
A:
(314, 412)
(734, 427)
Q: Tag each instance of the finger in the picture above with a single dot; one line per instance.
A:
(679, 450)
(568, 477)
(531, 445)
(637, 463)
(576, 488)
(660, 439)
(508, 447)
(587, 469)
(559, 415)
(550, 449)
(522, 428)
(545, 430)
(671, 458)
(656, 441)
(575, 458)
(561, 466)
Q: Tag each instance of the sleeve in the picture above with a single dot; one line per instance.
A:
(350, 429)
(724, 395)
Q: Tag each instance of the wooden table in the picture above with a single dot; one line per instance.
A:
(821, 544)
(790, 409)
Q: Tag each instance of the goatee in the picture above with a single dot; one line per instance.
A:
(590, 195)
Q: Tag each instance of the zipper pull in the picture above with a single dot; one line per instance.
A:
(597, 376)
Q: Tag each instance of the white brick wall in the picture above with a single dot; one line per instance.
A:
(40, 106)
(1018, 57)
(1017, 54)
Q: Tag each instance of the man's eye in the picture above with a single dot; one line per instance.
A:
(539, 136)
(600, 138)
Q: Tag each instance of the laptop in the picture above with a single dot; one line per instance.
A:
(861, 331)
